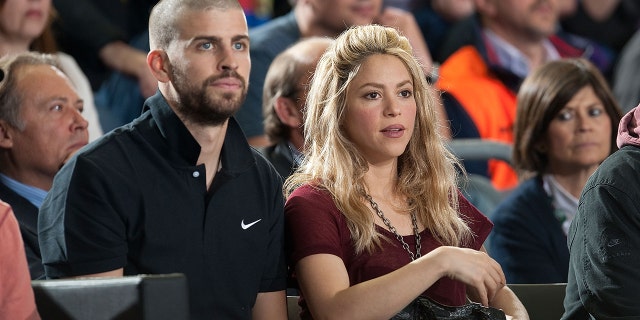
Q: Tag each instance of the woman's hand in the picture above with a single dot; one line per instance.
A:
(474, 268)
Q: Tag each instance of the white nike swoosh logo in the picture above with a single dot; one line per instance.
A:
(247, 226)
(614, 242)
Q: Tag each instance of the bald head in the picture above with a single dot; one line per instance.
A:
(165, 14)
(297, 63)
(288, 77)
(308, 50)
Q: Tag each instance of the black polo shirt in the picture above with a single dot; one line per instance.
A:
(135, 199)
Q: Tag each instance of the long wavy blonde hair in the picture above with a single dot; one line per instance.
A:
(426, 170)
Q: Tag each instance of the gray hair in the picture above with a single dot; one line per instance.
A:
(10, 97)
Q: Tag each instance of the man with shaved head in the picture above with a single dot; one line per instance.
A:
(179, 189)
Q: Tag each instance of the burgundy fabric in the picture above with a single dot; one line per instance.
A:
(314, 225)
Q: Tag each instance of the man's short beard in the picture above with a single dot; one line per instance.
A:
(198, 107)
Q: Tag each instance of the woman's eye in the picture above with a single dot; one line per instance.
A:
(372, 95)
(595, 112)
(406, 93)
(564, 116)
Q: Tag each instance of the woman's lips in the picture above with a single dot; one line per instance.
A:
(393, 131)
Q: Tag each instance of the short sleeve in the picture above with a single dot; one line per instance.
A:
(479, 223)
(313, 225)
(79, 229)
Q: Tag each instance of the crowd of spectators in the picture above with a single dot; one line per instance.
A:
(504, 70)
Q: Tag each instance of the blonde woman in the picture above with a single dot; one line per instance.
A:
(373, 216)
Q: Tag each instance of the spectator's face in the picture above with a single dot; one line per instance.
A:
(210, 64)
(579, 136)
(338, 15)
(381, 108)
(313, 52)
(532, 19)
(54, 128)
(23, 20)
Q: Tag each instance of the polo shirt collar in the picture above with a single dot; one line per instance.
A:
(235, 155)
(174, 132)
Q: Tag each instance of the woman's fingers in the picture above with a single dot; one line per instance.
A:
(477, 270)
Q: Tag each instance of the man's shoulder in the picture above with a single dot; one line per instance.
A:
(621, 170)
(462, 33)
(18, 203)
(263, 164)
(116, 148)
(274, 35)
(626, 158)
(281, 25)
(282, 162)
(118, 139)
(464, 63)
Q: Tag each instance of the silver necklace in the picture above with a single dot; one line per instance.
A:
(414, 222)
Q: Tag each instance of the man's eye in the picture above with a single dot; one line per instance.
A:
(207, 46)
(239, 46)
(57, 107)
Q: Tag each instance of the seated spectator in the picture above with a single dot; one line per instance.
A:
(435, 17)
(608, 22)
(322, 18)
(109, 40)
(626, 77)
(16, 296)
(564, 129)
(285, 91)
(179, 190)
(506, 39)
(281, 7)
(373, 217)
(41, 127)
(603, 238)
(26, 25)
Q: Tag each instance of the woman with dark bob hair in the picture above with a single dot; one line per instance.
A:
(565, 127)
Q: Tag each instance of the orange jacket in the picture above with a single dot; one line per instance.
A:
(490, 104)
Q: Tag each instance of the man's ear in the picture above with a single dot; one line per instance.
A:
(287, 111)
(6, 135)
(158, 63)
